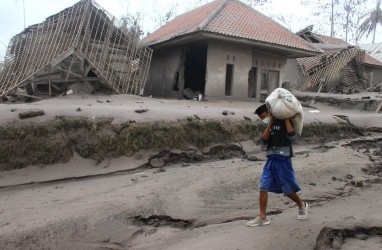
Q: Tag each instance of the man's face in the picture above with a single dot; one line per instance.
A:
(263, 115)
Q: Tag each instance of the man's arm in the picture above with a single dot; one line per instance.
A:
(290, 130)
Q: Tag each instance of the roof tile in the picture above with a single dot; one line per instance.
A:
(231, 18)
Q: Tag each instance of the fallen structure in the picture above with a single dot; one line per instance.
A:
(81, 44)
(339, 69)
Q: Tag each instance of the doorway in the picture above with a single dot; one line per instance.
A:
(195, 67)
(252, 83)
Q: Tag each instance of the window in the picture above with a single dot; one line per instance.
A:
(228, 79)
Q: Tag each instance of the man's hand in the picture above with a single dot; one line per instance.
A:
(289, 125)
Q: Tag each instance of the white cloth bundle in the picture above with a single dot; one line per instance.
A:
(282, 104)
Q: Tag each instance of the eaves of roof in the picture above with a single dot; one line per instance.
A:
(281, 50)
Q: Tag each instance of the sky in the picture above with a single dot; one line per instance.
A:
(12, 14)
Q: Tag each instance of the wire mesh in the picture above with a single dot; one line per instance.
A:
(86, 30)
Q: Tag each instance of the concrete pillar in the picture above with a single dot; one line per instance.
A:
(371, 78)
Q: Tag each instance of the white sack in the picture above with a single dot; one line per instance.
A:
(282, 104)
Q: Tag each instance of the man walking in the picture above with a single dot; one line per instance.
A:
(278, 174)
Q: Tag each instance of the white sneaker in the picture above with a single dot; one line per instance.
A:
(303, 212)
(258, 222)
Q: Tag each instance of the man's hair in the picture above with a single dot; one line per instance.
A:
(263, 108)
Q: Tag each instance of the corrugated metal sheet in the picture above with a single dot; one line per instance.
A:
(374, 49)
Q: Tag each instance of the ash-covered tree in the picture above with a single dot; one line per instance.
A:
(336, 18)
(370, 21)
(132, 23)
(160, 17)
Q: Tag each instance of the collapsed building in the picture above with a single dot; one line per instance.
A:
(340, 69)
(82, 44)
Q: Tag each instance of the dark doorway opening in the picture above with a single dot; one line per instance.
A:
(195, 67)
(228, 79)
(252, 83)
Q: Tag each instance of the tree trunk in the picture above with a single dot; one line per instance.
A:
(332, 21)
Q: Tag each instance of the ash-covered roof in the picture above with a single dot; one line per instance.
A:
(234, 19)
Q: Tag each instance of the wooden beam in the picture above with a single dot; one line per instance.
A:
(69, 72)
(62, 57)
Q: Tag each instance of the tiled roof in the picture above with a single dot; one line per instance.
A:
(374, 49)
(332, 40)
(231, 18)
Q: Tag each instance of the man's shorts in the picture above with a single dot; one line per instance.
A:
(278, 176)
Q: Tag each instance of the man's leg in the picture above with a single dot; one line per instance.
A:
(263, 200)
(302, 206)
(294, 197)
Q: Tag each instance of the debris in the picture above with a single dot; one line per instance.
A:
(349, 176)
(197, 117)
(225, 112)
(141, 110)
(359, 184)
(157, 162)
(188, 93)
(31, 113)
(338, 69)
(252, 158)
(185, 164)
(78, 109)
(71, 46)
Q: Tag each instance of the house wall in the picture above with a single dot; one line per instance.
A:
(376, 75)
(291, 74)
(243, 58)
(160, 80)
(218, 56)
(166, 62)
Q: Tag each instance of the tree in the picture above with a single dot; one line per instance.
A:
(372, 19)
(161, 18)
(342, 16)
(353, 10)
(132, 24)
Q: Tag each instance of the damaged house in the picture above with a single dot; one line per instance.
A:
(222, 50)
(341, 68)
(82, 44)
(375, 74)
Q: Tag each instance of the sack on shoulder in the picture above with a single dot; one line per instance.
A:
(282, 104)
